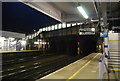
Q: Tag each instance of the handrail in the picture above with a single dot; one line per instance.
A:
(101, 58)
(108, 55)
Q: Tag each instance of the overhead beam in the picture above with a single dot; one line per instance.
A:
(45, 8)
(104, 13)
(70, 18)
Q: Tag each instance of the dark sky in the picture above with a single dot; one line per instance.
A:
(19, 17)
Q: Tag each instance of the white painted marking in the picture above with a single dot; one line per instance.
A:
(22, 66)
(1, 76)
(1, 71)
(93, 71)
(4, 76)
(23, 71)
(36, 67)
(11, 74)
(34, 57)
(21, 59)
(35, 63)
(11, 69)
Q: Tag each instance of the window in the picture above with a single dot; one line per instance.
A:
(64, 25)
(59, 26)
(53, 27)
(68, 25)
(56, 27)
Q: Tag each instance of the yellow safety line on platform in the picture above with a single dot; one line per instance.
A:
(114, 40)
(114, 66)
(114, 69)
(81, 68)
(18, 51)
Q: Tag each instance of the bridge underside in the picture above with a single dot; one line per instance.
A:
(73, 44)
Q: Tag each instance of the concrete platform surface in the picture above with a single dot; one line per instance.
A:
(85, 68)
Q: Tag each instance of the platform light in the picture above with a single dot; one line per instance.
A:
(93, 29)
(82, 11)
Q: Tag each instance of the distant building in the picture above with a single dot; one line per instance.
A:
(12, 41)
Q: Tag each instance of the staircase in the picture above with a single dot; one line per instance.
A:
(114, 50)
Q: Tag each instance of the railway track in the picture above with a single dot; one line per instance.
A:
(36, 68)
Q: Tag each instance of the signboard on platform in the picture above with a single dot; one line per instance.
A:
(87, 31)
(103, 34)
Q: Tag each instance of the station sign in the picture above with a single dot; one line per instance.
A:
(87, 31)
(103, 34)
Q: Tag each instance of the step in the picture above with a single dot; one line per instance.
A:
(114, 57)
(114, 69)
(113, 66)
(114, 62)
(114, 52)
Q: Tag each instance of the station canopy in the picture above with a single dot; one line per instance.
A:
(67, 12)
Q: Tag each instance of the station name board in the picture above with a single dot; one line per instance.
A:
(87, 31)
(103, 34)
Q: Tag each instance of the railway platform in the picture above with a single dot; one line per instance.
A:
(85, 68)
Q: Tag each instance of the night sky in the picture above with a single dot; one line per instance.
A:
(19, 17)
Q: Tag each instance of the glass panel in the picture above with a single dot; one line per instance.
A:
(64, 25)
(73, 24)
(59, 26)
(68, 25)
(53, 27)
(56, 27)
(43, 29)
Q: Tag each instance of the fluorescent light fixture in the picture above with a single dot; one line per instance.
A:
(81, 10)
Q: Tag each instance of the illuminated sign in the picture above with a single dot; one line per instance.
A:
(87, 31)
(103, 34)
